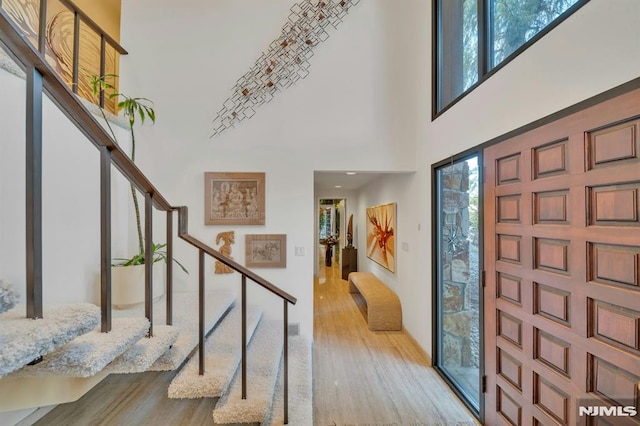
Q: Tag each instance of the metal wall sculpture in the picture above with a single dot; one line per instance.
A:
(286, 61)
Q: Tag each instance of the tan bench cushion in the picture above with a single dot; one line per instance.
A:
(384, 311)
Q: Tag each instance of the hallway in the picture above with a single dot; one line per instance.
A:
(371, 378)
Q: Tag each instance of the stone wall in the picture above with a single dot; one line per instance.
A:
(460, 272)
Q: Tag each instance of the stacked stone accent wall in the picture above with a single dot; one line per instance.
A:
(460, 272)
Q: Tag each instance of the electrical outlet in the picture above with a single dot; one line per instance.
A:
(299, 251)
(405, 246)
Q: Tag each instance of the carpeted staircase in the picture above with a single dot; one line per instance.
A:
(71, 345)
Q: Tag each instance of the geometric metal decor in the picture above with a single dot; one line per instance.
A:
(286, 61)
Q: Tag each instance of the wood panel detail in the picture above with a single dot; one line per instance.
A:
(552, 351)
(611, 264)
(510, 410)
(614, 324)
(508, 170)
(509, 368)
(509, 288)
(510, 328)
(508, 209)
(614, 205)
(550, 159)
(509, 248)
(551, 303)
(611, 145)
(611, 382)
(551, 255)
(550, 399)
(550, 208)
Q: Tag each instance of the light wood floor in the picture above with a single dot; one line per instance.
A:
(362, 377)
(132, 399)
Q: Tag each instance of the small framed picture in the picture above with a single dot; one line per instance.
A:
(266, 251)
(234, 198)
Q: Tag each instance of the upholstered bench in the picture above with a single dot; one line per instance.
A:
(384, 312)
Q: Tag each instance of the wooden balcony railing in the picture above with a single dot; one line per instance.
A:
(72, 43)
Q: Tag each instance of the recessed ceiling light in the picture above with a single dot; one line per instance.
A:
(338, 186)
(351, 173)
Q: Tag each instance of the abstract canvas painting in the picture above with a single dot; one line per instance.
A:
(381, 230)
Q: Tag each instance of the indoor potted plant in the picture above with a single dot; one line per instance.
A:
(128, 273)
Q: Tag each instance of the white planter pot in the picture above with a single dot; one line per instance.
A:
(127, 284)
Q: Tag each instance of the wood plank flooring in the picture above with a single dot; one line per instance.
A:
(132, 399)
(362, 377)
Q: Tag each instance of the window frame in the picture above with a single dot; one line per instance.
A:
(484, 50)
(436, 324)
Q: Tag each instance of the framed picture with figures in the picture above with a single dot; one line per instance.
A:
(266, 251)
(234, 198)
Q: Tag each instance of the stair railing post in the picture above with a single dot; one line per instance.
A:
(285, 363)
(244, 337)
(201, 312)
(42, 27)
(148, 260)
(33, 193)
(103, 65)
(169, 267)
(105, 238)
(76, 52)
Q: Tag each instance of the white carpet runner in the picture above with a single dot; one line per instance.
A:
(300, 387)
(223, 351)
(88, 354)
(22, 340)
(145, 352)
(263, 362)
(185, 318)
(185, 322)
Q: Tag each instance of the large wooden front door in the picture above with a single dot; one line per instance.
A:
(562, 265)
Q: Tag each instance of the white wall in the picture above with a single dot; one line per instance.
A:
(412, 288)
(352, 112)
(592, 51)
(365, 106)
(71, 201)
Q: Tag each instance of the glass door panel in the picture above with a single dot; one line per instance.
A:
(458, 278)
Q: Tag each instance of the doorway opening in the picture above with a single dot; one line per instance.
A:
(331, 230)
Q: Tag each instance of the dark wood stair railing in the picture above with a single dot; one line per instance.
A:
(45, 79)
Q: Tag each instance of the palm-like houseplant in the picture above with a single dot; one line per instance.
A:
(133, 108)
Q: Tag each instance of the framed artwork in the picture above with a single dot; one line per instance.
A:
(266, 251)
(234, 198)
(381, 230)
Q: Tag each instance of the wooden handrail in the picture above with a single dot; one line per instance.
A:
(73, 108)
(110, 153)
(22, 51)
(239, 268)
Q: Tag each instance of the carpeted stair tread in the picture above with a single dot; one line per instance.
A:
(263, 362)
(22, 340)
(223, 351)
(88, 354)
(300, 386)
(145, 352)
(185, 319)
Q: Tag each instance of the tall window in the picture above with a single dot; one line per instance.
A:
(458, 288)
(474, 37)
